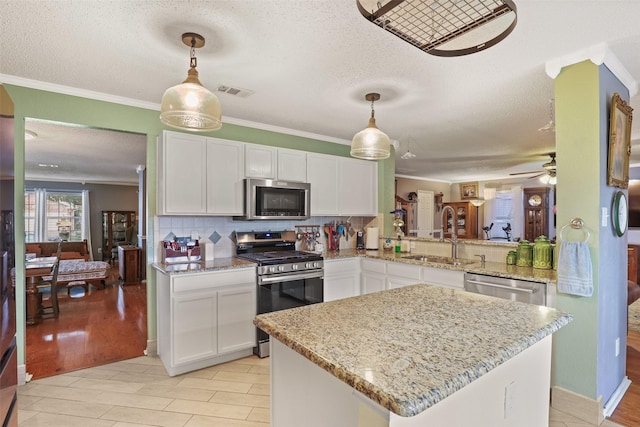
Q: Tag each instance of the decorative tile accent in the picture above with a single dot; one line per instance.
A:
(170, 237)
(215, 237)
(351, 232)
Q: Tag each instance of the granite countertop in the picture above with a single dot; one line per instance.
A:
(202, 266)
(427, 342)
(499, 269)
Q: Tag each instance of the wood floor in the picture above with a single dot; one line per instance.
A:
(628, 411)
(104, 326)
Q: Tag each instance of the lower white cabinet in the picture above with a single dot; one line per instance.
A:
(341, 278)
(442, 277)
(399, 275)
(205, 318)
(373, 275)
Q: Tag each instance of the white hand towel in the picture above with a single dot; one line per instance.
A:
(575, 274)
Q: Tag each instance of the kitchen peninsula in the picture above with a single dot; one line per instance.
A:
(416, 355)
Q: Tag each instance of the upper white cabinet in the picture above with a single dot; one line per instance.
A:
(199, 175)
(358, 191)
(322, 174)
(342, 186)
(292, 165)
(266, 162)
(224, 177)
(182, 174)
(260, 161)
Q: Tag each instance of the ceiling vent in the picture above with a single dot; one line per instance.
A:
(235, 91)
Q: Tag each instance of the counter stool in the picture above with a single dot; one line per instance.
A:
(77, 284)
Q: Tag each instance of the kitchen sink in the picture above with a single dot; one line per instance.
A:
(439, 259)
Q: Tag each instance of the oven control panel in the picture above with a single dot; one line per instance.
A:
(290, 267)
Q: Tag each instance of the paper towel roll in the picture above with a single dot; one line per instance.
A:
(373, 237)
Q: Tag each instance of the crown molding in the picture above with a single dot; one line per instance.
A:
(598, 54)
(100, 96)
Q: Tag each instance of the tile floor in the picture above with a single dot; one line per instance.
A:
(139, 393)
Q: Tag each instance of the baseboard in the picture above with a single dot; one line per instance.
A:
(577, 405)
(152, 348)
(616, 397)
(22, 374)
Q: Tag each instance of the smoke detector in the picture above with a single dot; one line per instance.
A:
(235, 91)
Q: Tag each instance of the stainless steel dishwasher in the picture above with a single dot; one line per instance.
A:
(511, 289)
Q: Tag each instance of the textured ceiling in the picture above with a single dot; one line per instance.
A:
(310, 63)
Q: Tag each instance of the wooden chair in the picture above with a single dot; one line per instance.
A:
(53, 309)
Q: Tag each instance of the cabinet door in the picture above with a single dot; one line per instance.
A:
(236, 310)
(373, 275)
(260, 161)
(399, 275)
(322, 174)
(341, 278)
(225, 160)
(443, 277)
(182, 174)
(292, 165)
(195, 332)
(358, 190)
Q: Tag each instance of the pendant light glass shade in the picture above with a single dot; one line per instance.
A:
(190, 105)
(371, 143)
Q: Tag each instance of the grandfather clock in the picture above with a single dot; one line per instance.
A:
(536, 212)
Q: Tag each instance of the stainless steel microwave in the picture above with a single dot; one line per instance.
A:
(273, 199)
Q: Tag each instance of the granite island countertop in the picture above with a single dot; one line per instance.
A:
(427, 342)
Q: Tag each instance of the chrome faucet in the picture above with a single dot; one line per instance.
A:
(454, 237)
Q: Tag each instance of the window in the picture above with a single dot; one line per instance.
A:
(502, 213)
(52, 215)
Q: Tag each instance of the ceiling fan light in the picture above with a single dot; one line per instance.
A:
(190, 105)
(545, 179)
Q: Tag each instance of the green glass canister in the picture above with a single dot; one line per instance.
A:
(542, 253)
(525, 254)
(512, 256)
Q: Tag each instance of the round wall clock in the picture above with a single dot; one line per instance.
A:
(535, 200)
(619, 214)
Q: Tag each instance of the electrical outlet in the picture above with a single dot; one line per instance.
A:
(412, 245)
(99, 250)
(617, 346)
(605, 217)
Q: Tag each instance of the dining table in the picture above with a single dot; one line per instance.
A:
(35, 269)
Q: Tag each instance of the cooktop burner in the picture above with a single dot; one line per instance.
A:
(279, 257)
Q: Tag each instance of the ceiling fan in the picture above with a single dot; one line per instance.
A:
(549, 170)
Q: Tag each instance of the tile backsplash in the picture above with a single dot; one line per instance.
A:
(219, 230)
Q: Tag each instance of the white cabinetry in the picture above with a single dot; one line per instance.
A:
(259, 161)
(322, 174)
(292, 165)
(358, 189)
(399, 275)
(373, 275)
(341, 278)
(205, 318)
(199, 175)
(342, 186)
(442, 277)
(266, 162)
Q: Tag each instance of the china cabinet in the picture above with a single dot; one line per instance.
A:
(536, 212)
(117, 230)
(467, 217)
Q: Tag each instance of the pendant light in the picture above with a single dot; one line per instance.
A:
(190, 105)
(371, 143)
(408, 155)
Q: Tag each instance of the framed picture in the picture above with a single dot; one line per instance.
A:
(469, 190)
(619, 143)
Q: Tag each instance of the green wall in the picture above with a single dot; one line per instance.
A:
(39, 104)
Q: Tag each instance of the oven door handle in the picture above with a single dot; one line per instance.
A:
(265, 280)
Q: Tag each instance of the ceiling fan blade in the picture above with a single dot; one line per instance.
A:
(536, 176)
(524, 173)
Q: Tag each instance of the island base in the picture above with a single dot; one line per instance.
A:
(514, 393)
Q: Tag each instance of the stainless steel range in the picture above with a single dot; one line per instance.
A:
(286, 278)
